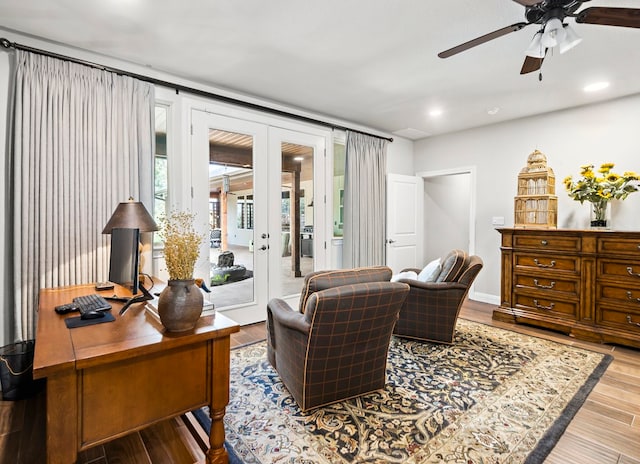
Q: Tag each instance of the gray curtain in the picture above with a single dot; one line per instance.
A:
(82, 142)
(364, 201)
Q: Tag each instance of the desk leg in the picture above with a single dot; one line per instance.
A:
(62, 419)
(217, 454)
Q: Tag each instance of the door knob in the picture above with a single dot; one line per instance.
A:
(265, 236)
(263, 247)
(391, 240)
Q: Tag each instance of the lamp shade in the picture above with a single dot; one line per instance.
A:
(553, 33)
(536, 49)
(131, 215)
(571, 39)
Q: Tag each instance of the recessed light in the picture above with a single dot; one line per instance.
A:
(435, 112)
(298, 158)
(493, 111)
(596, 86)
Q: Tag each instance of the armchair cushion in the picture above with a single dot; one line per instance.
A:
(452, 265)
(322, 280)
(404, 275)
(430, 272)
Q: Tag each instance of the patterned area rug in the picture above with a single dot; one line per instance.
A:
(495, 396)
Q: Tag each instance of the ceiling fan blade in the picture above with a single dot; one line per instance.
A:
(531, 64)
(528, 2)
(482, 39)
(624, 17)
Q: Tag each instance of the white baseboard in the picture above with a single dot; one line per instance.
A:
(484, 298)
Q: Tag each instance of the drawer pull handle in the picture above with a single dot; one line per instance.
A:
(630, 297)
(535, 282)
(539, 306)
(631, 322)
(630, 271)
(544, 242)
(551, 264)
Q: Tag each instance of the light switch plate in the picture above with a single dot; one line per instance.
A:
(497, 220)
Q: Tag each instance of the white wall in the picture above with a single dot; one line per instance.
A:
(606, 132)
(400, 157)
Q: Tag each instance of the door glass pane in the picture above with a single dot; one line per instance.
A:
(160, 169)
(297, 199)
(338, 188)
(231, 218)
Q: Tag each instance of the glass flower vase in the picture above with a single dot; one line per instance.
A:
(601, 215)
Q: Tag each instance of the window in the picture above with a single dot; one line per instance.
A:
(244, 212)
(214, 213)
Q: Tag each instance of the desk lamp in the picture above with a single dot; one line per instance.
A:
(132, 215)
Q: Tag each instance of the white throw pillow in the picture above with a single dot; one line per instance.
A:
(404, 275)
(430, 272)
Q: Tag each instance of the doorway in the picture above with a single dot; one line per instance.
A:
(449, 205)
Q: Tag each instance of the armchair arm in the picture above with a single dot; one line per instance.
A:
(412, 269)
(283, 315)
(434, 286)
(288, 332)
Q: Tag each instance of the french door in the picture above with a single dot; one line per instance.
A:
(256, 187)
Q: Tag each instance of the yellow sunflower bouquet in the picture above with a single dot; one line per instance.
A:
(598, 188)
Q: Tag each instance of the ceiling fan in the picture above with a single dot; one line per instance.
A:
(550, 15)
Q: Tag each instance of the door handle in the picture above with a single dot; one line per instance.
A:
(391, 240)
(265, 236)
(263, 247)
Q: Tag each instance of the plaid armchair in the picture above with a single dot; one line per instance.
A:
(337, 348)
(431, 310)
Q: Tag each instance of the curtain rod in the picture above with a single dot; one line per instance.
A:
(5, 43)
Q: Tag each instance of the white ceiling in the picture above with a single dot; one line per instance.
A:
(370, 62)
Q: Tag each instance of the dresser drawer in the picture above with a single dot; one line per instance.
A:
(628, 296)
(547, 242)
(619, 246)
(548, 263)
(547, 305)
(548, 284)
(627, 271)
(617, 317)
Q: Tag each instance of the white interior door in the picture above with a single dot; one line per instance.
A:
(404, 222)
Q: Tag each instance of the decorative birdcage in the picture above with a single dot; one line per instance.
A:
(536, 205)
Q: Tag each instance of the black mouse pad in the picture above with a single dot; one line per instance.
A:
(73, 322)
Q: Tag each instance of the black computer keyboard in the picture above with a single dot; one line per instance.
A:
(93, 302)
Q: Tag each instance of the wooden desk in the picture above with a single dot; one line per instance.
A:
(107, 380)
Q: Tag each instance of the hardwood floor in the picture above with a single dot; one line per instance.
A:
(606, 430)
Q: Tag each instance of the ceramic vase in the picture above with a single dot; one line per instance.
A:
(180, 305)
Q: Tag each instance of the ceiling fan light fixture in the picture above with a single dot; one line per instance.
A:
(554, 33)
(571, 39)
(536, 49)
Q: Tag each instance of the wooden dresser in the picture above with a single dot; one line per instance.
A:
(585, 283)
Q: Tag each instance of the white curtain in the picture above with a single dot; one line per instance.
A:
(364, 201)
(82, 142)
